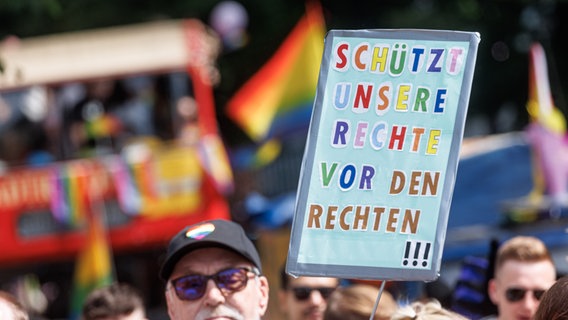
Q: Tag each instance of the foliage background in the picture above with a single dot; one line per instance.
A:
(507, 27)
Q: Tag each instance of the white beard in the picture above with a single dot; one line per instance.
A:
(219, 311)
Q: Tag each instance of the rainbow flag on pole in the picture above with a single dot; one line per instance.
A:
(93, 268)
(279, 97)
(540, 105)
(543, 113)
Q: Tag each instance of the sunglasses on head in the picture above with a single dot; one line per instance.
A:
(517, 294)
(303, 293)
(193, 286)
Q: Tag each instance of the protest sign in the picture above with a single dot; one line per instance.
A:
(381, 157)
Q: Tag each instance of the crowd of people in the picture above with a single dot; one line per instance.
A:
(212, 270)
(43, 124)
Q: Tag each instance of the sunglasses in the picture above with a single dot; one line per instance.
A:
(193, 286)
(303, 293)
(517, 294)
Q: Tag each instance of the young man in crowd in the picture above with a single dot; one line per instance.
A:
(304, 298)
(524, 270)
(114, 302)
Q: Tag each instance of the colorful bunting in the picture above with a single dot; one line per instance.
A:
(215, 162)
(128, 194)
(69, 191)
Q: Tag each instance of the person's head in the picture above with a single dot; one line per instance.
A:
(10, 308)
(212, 269)
(524, 269)
(431, 310)
(304, 297)
(357, 301)
(553, 303)
(118, 301)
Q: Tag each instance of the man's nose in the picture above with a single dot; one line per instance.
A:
(316, 297)
(530, 302)
(213, 295)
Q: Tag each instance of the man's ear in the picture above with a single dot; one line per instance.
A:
(492, 291)
(264, 294)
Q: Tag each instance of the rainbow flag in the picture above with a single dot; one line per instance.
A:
(540, 105)
(257, 156)
(69, 188)
(215, 162)
(279, 98)
(544, 114)
(93, 268)
(103, 126)
(127, 190)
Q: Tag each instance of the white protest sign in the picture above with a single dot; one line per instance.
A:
(381, 157)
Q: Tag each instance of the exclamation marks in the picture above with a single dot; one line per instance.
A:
(406, 253)
(416, 254)
(416, 251)
(426, 253)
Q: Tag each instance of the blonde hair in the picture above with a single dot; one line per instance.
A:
(431, 310)
(522, 249)
(357, 301)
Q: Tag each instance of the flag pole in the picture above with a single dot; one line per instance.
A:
(381, 289)
(94, 266)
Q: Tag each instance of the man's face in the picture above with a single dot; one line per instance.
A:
(247, 304)
(514, 275)
(309, 304)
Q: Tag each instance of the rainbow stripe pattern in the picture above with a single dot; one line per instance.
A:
(69, 193)
(127, 191)
(93, 268)
(278, 99)
(105, 125)
(199, 232)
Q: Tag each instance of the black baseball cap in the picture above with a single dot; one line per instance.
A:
(212, 233)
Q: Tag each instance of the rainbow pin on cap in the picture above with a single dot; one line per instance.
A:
(213, 233)
(200, 231)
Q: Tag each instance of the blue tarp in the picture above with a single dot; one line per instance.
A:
(484, 183)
